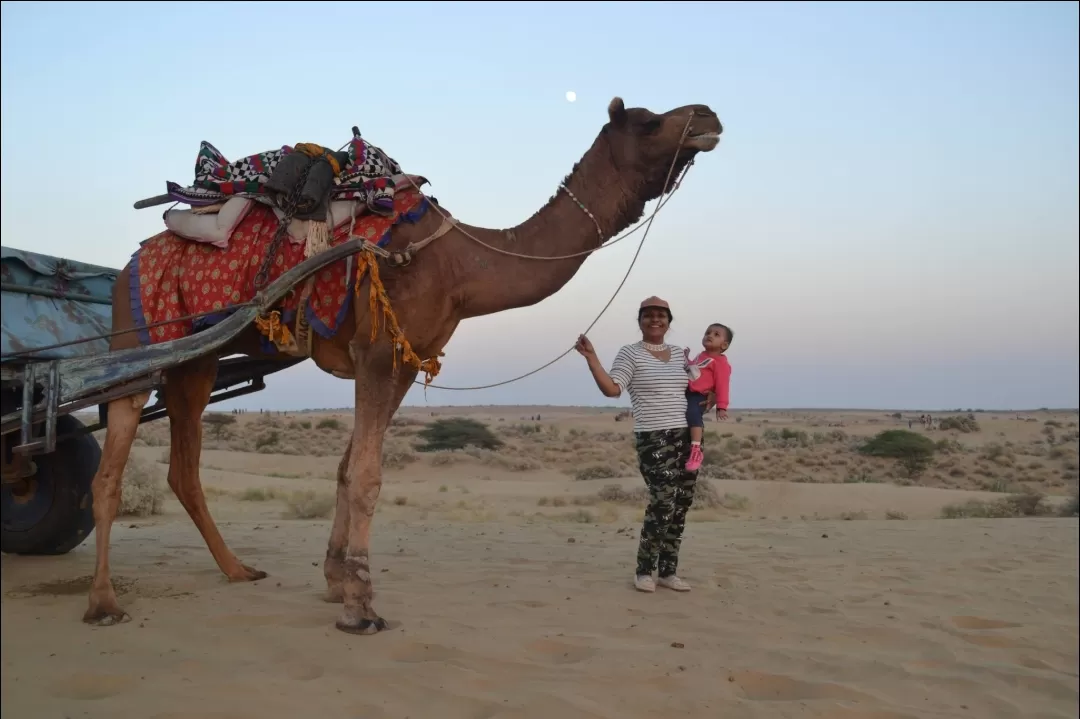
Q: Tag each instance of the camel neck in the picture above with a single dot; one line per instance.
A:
(595, 195)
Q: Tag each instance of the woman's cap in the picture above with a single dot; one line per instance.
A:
(655, 301)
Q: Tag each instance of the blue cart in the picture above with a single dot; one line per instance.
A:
(56, 317)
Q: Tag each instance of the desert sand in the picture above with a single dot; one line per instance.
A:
(826, 583)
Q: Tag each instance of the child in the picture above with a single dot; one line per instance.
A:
(709, 371)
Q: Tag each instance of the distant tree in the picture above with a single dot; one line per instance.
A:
(457, 433)
(219, 424)
(912, 450)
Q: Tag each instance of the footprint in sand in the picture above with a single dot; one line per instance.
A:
(203, 715)
(245, 620)
(417, 652)
(559, 652)
(91, 685)
(758, 686)
(304, 672)
(527, 603)
(845, 713)
(980, 623)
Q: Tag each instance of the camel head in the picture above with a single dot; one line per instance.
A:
(643, 143)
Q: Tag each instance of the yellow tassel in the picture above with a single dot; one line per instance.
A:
(318, 238)
(273, 328)
(379, 303)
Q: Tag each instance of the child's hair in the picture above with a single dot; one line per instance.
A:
(730, 334)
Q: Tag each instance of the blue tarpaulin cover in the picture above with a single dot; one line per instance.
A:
(80, 305)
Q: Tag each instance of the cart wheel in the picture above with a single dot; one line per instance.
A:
(52, 512)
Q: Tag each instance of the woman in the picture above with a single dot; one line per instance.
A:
(652, 372)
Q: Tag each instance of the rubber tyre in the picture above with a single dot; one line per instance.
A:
(59, 515)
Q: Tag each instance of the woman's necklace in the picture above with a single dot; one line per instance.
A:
(653, 348)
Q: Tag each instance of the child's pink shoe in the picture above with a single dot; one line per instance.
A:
(696, 458)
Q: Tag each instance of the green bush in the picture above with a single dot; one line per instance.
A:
(913, 451)
(963, 423)
(457, 433)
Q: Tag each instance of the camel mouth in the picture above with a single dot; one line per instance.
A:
(704, 141)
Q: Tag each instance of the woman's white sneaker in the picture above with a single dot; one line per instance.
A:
(674, 583)
(644, 583)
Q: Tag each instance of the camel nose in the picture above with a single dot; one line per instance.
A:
(706, 111)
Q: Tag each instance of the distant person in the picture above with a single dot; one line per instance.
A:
(652, 373)
(709, 372)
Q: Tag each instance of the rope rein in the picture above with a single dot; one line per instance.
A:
(414, 246)
(647, 225)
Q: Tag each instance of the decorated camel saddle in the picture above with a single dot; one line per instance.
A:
(251, 220)
(326, 188)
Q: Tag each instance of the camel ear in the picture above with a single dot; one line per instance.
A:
(617, 111)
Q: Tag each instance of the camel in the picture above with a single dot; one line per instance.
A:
(633, 160)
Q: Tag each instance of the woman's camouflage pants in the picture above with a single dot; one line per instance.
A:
(662, 456)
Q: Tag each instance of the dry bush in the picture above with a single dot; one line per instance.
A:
(892, 514)
(617, 495)
(258, 494)
(597, 471)
(510, 461)
(308, 504)
(396, 457)
(143, 491)
(1027, 504)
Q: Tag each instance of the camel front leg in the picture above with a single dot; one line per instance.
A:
(377, 397)
(334, 565)
(120, 430)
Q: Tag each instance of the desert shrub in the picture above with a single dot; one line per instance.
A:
(1025, 504)
(597, 471)
(310, 505)
(457, 433)
(960, 423)
(618, 495)
(1071, 508)
(913, 451)
(893, 514)
(330, 423)
(785, 438)
(143, 492)
(396, 458)
(257, 494)
(267, 440)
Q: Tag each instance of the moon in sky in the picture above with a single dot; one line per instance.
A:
(571, 95)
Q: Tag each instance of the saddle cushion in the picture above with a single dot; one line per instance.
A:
(172, 277)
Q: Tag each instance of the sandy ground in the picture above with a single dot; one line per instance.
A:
(510, 596)
(870, 619)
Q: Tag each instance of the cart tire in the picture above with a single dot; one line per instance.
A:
(54, 511)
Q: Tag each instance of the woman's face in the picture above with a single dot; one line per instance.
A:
(654, 324)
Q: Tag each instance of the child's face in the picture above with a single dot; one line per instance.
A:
(715, 340)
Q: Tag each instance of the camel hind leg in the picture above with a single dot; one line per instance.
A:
(187, 392)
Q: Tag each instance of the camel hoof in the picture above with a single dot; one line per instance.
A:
(249, 575)
(364, 626)
(334, 594)
(106, 617)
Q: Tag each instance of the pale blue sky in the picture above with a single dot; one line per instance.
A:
(891, 219)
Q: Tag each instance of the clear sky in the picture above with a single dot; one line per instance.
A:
(891, 219)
